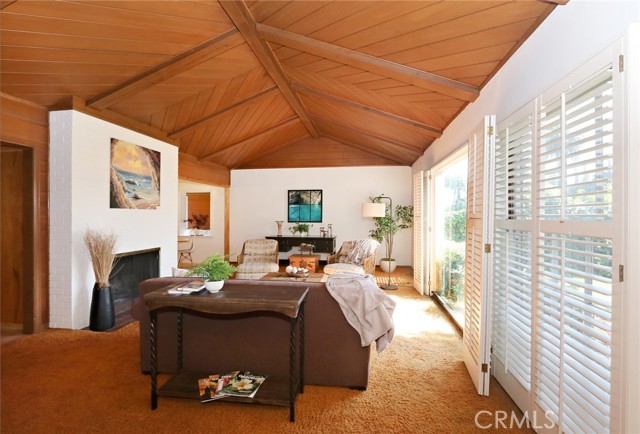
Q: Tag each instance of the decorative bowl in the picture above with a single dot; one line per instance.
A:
(302, 272)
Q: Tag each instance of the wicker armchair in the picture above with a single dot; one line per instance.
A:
(357, 256)
(258, 257)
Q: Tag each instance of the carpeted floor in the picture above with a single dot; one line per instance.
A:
(64, 381)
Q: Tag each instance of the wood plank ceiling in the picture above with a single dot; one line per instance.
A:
(261, 84)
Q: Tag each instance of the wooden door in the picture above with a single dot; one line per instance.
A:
(16, 208)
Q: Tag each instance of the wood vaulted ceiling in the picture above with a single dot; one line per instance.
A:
(261, 84)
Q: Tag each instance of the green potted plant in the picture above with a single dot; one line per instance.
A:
(300, 228)
(386, 228)
(214, 270)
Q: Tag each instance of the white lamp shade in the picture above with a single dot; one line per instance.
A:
(373, 209)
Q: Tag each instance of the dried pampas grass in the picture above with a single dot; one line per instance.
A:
(101, 246)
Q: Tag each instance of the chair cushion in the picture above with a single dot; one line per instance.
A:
(258, 267)
(260, 247)
(342, 268)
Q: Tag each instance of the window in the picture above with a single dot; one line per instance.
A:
(555, 241)
(575, 292)
(449, 203)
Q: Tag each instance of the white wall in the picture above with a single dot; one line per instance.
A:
(80, 148)
(207, 245)
(259, 198)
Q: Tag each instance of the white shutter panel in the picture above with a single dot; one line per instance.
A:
(575, 257)
(418, 232)
(513, 245)
(512, 304)
(476, 344)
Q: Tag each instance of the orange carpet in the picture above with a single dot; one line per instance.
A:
(64, 381)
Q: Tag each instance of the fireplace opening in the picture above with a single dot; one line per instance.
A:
(130, 269)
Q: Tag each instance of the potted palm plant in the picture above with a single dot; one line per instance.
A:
(386, 228)
(214, 270)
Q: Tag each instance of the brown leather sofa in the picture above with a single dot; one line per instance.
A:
(333, 353)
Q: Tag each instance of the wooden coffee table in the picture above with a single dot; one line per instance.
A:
(284, 277)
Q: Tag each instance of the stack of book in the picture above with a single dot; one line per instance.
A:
(187, 288)
(235, 383)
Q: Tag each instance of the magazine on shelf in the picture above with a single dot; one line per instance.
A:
(187, 288)
(209, 388)
(243, 384)
(235, 383)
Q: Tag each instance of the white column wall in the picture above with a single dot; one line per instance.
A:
(79, 199)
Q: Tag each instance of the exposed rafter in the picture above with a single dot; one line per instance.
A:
(406, 74)
(169, 69)
(429, 130)
(243, 20)
(285, 124)
(203, 120)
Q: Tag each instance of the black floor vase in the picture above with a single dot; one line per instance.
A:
(102, 316)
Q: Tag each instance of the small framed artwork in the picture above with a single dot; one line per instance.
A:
(135, 176)
(304, 206)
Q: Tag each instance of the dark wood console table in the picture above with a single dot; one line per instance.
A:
(233, 299)
(322, 244)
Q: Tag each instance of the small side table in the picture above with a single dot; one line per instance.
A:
(237, 299)
(310, 262)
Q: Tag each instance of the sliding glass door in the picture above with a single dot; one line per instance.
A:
(448, 229)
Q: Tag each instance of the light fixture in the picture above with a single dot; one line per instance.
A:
(372, 209)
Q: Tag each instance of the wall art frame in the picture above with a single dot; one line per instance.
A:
(134, 177)
(304, 206)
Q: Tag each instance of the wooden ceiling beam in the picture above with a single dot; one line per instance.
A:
(78, 104)
(431, 131)
(168, 69)
(405, 74)
(207, 118)
(368, 134)
(285, 124)
(241, 16)
(191, 169)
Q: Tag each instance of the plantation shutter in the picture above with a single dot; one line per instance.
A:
(512, 266)
(576, 249)
(476, 345)
(418, 232)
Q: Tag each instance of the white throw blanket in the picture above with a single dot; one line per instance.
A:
(367, 308)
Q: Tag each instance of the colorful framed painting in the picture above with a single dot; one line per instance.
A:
(135, 176)
(304, 206)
